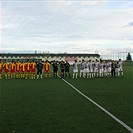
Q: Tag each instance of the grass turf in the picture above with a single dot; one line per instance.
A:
(51, 106)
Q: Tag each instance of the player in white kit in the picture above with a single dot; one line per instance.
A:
(96, 68)
(105, 69)
(86, 69)
(117, 68)
(91, 69)
(109, 68)
(101, 69)
(82, 69)
(75, 69)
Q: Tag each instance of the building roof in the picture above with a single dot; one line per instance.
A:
(48, 54)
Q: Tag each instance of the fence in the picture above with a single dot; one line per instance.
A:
(115, 56)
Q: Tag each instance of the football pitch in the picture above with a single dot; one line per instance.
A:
(54, 106)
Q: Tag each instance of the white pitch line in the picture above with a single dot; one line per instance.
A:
(103, 109)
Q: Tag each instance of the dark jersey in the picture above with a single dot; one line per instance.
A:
(39, 66)
(62, 66)
(67, 66)
(113, 65)
(55, 67)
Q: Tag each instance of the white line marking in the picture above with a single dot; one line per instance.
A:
(99, 106)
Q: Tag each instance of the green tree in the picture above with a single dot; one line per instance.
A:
(129, 58)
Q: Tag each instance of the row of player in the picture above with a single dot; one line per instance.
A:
(88, 69)
(98, 69)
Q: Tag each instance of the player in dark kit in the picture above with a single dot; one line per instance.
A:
(67, 71)
(62, 66)
(55, 68)
(113, 69)
(39, 69)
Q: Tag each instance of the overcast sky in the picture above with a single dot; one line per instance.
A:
(66, 26)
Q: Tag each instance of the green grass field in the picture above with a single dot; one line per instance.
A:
(52, 106)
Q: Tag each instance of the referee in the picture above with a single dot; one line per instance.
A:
(39, 69)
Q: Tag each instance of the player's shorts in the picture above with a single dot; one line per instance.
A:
(96, 70)
(104, 70)
(39, 71)
(47, 71)
(0, 70)
(86, 70)
(82, 71)
(91, 70)
(109, 69)
(101, 71)
(117, 69)
(75, 70)
(33, 70)
(28, 71)
(17, 71)
(55, 70)
(22, 72)
(120, 69)
(62, 70)
(6, 70)
(67, 70)
(12, 71)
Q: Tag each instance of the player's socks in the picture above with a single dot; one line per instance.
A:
(37, 76)
(26, 76)
(11, 76)
(122, 74)
(16, 75)
(56, 75)
(62, 75)
(23, 75)
(87, 75)
(41, 76)
(90, 75)
(97, 75)
(8, 76)
(109, 74)
(34, 76)
(48, 75)
(118, 73)
(94, 74)
(0, 76)
(84, 74)
(5, 76)
(80, 74)
(73, 75)
(76, 75)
